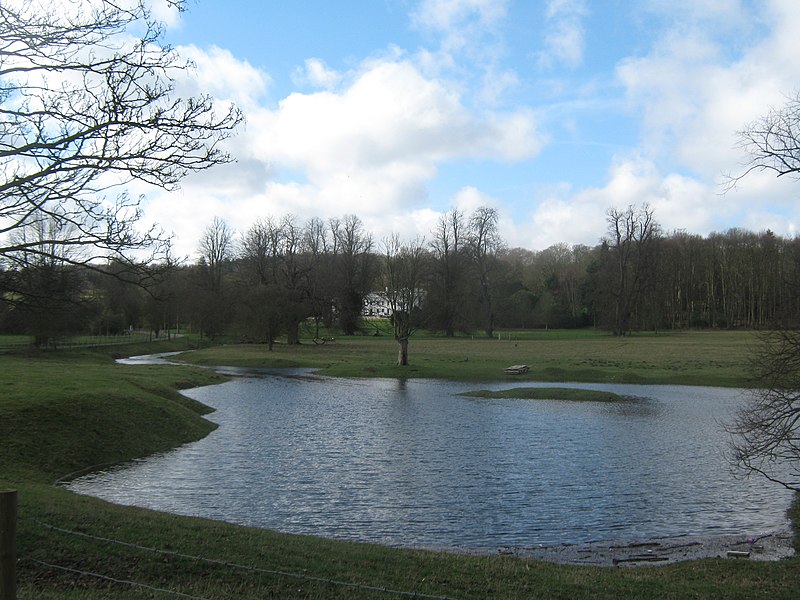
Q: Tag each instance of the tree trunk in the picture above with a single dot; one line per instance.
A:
(293, 334)
(270, 339)
(402, 352)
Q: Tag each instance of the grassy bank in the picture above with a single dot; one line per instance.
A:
(66, 411)
(62, 412)
(718, 358)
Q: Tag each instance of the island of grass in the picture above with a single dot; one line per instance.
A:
(549, 393)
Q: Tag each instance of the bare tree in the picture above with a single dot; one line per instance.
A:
(484, 243)
(405, 271)
(773, 142)
(632, 237)
(46, 287)
(294, 268)
(277, 267)
(355, 269)
(85, 109)
(447, 293)
(262, 298)
(767, 429)
(766, 432)
(216, 250)
(316, 247)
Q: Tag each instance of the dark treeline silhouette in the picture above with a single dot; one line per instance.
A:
(284, 274)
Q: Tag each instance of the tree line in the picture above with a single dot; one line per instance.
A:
(283, 274)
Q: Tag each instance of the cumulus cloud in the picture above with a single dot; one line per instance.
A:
(165, 12)
(680, 202)
(470, 198)
(371, 140)
(369, 147)
(219, 73)
(316, 73)
(390, 124)
(579, 216)
(690, 93)
(694, 97)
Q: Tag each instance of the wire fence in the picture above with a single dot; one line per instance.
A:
(304, 577)
(20, 343)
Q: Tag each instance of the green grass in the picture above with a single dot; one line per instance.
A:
(437, 574)
(550, 393)
(62, 412)
(691, 358)
(66, 411)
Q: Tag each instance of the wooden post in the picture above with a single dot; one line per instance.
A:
(8, 545)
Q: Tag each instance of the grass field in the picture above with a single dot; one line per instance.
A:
(718, 358)
(67, 411)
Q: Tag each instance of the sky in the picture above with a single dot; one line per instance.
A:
(552, 112)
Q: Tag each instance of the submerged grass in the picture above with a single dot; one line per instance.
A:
(62, 412)
(530, 393)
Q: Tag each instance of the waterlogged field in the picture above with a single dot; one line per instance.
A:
(419, 463)
(691, 358)
(65, 411)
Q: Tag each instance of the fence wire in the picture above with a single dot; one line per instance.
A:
(127, 582)
(223, 563)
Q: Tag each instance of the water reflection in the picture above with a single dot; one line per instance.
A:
(415, 464)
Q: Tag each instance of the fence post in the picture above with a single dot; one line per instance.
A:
(8, 545)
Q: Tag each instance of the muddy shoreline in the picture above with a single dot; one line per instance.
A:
(770, 546)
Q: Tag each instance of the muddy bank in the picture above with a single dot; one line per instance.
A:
(769, 546)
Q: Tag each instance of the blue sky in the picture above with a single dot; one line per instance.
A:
(550, 111)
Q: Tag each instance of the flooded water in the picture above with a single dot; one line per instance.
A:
(414, 464)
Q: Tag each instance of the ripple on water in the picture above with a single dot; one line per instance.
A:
(415, 464)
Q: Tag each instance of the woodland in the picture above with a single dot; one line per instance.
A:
(283, 275)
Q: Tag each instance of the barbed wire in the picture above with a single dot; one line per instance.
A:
(225, 563)
(115, 580)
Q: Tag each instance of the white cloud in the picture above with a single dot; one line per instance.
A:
(691, 94)
(370, 148)
(694, 98)
(316, 73)
(218, 73)
(165, 12)
(452, 15)
(391, 121)
(469, 33)
(579, 217)
(470, 198)
(722, 14)
(564, 43)
(679, 202)
(496, 83)
(369, 141)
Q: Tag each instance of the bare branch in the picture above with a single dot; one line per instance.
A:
(772, 143)
(86, 109)
(766, 431)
